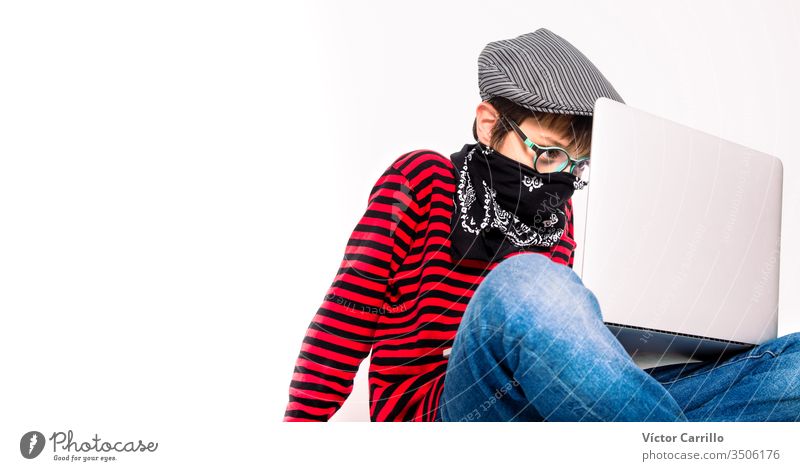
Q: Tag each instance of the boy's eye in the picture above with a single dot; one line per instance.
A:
(553, 154)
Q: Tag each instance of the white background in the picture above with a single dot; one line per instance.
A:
(178, 181)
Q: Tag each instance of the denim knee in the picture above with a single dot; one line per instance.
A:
(531, 291)
(778, 377)
(789, 343)
(532, 264)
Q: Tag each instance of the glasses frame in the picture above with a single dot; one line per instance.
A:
(572, 162)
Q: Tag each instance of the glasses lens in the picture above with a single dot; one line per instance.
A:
(582, 170)
(551, 160)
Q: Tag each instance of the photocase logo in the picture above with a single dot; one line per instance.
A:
(31, 444)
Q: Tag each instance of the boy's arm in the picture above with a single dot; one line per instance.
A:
(341, 333)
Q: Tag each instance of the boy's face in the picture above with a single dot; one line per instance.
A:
(512, 146)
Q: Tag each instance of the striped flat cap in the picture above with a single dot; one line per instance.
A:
(541, 71)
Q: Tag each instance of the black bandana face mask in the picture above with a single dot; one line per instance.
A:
(504, 206)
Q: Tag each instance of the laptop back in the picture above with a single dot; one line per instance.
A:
(682, 231)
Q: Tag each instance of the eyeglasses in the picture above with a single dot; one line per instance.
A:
(553, 158)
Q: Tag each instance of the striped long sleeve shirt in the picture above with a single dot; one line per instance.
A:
(398, 295)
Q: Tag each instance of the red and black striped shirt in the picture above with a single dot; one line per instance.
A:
(397, 294)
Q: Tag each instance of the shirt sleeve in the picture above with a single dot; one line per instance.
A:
(341, 333)
(563, 251)
(571, 233)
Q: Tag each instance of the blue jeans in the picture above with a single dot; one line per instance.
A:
(532, 346)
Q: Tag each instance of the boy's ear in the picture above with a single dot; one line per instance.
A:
(488, 115)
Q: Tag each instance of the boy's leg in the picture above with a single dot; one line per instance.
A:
(532, 346)
(759, 384)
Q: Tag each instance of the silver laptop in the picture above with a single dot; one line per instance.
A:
(681, 241)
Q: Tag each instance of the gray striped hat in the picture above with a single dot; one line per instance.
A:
(541, 71)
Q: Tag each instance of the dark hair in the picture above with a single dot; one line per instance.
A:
(579, 127)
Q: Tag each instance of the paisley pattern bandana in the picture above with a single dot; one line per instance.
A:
(504, 206)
